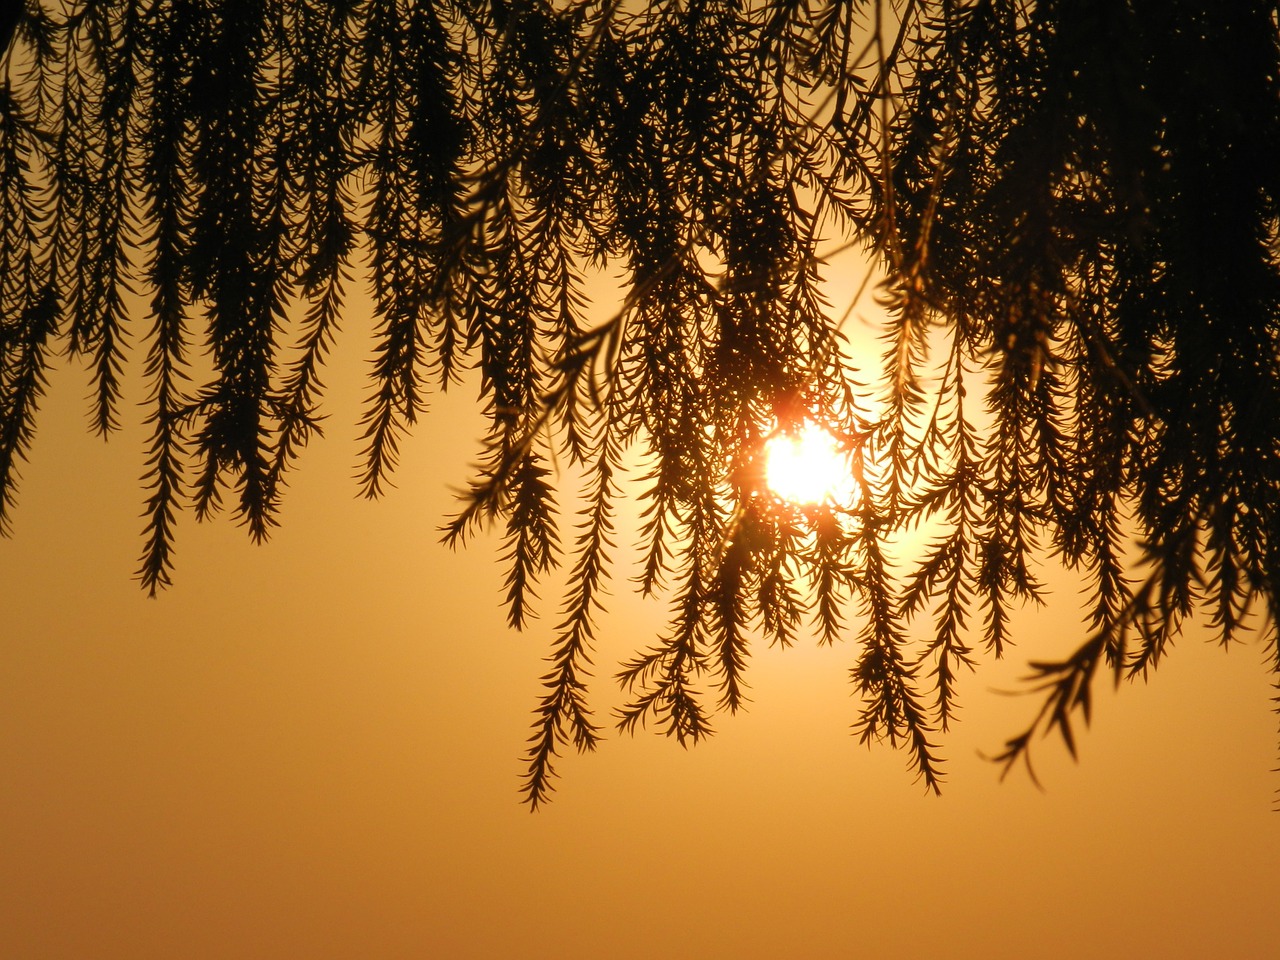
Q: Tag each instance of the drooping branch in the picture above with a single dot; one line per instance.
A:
(1077, 239)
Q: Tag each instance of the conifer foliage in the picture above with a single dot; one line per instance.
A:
(1074, 206)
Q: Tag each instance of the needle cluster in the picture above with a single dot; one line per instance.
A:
(1073, 204)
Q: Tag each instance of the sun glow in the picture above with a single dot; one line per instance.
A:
(809, 466)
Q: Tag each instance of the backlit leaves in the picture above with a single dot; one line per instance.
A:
(1076, 233)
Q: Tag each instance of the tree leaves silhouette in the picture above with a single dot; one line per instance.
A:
(1073, 205)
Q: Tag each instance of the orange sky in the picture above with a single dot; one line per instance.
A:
(310, 750)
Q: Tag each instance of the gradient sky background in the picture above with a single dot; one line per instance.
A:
(311, 750)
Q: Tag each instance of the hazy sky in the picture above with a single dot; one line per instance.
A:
(311, 750)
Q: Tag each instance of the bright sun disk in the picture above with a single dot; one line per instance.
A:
(808, 467)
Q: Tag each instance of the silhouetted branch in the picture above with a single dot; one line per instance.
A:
(1045, 192)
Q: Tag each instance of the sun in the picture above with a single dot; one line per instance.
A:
(809, 466)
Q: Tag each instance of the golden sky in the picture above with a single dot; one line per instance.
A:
(311, 750)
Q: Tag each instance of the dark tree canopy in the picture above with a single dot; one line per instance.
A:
(1073, 205)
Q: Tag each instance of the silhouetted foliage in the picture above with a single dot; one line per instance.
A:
(1073, 205)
